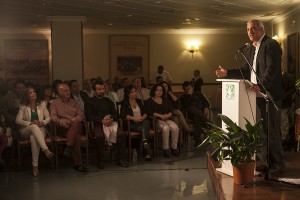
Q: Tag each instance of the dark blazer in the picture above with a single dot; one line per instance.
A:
(268, 67)
(126, 108)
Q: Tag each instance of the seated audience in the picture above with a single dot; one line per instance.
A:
(32, 117)
(102, 111)
(178, 116)
(68, 115)
(160, 107)
(134, 110)
(197, 108)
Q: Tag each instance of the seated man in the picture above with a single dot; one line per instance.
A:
(68, 115)
(197, 108)
(102, 111)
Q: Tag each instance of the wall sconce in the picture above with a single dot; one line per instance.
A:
(192, 46)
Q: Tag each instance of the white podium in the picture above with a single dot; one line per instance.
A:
(238, 102)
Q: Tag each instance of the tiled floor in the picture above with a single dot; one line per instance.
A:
(161, 179)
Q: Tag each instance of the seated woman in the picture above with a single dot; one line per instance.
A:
(176, 106)
(133, 109)
(161, 108)
(33, 116)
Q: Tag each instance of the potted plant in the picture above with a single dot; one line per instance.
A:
(236, 144)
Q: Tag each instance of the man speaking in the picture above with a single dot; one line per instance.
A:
(264, 56)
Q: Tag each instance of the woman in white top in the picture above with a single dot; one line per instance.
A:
(134, 110)
(33, 116)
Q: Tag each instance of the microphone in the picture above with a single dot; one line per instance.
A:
(247, 45)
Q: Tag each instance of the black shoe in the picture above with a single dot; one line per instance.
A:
(175, 152)
(147, 152)
(166, 153)
(101, 164)
(122, 163)
(80, 168)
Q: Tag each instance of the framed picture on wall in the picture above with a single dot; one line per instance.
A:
(293, 54)
(129, 56)
(26, 59)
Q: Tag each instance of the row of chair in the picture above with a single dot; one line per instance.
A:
(54, 139)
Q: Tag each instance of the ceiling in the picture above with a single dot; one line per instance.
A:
(114, 15)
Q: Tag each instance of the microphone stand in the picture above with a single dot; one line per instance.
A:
(268, 97)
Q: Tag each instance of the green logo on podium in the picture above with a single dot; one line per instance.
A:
(230, 91)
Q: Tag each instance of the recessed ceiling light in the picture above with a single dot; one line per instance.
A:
(110, 24)
(187, 23)
(187, 20)
(129, 15)
(196, 19)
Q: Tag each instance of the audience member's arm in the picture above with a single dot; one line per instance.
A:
(79, 113)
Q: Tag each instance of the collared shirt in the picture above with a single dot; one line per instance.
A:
(253, 75)
(66, 110)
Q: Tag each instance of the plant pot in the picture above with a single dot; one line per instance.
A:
(243, 173)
